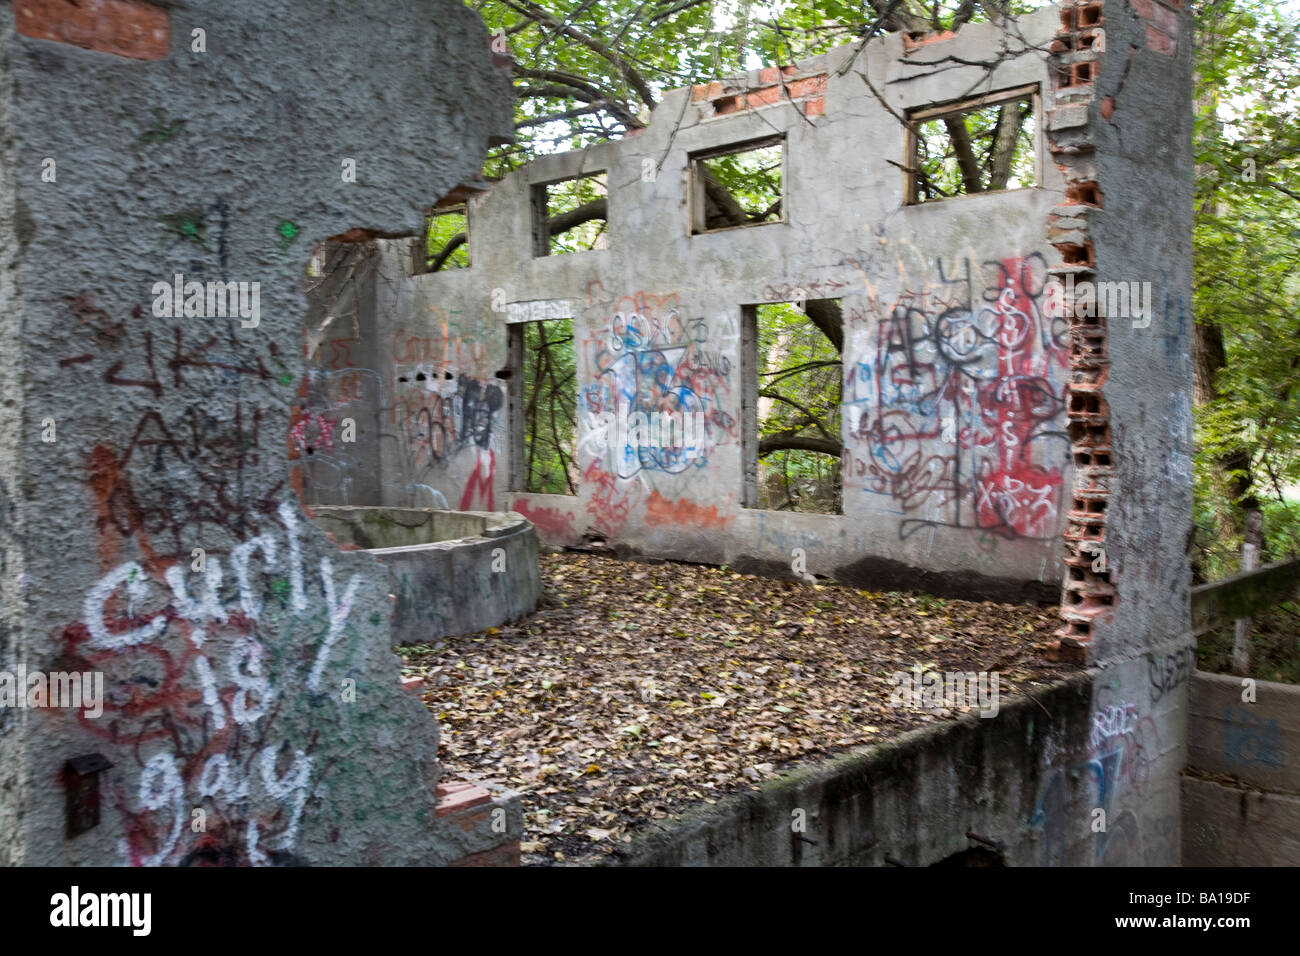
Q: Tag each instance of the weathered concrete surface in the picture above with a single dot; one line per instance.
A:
(227, 691)
(1227, 824)
(1244, 594)
(370, 528)
(986, 505)
(983, 503)
(1257, 740)
(1029, 779)
(419, 372)
(453, 572)
(1137, 142)
(1070, 463)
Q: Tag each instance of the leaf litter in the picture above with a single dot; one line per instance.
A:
(637, 690)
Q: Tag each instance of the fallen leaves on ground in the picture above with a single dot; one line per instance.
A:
(637, 690)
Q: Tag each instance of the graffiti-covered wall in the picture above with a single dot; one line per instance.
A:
(1003, 433)
(167, 172)
(418, 370)
(956, 457)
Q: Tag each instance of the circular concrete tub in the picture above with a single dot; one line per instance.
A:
(453, 572)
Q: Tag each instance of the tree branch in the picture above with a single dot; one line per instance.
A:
(633, 78)
(576, 217)
(570, 86)
(784, 442)
(970, 169)
(454, 243)
(826, 315)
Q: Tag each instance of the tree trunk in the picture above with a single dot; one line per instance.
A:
(1004, 144)
(966, 162)
(1209, 358)
(826, 315)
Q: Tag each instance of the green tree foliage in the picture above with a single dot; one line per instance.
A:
(550, 390)
(752, 181)
(582, 201)
(445, 240)
(978, 150)
(1247, 268)
(590, 70)
(799, 376)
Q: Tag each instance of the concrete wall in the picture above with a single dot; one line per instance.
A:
(453, 572)
(1071, 463)
(1241, 799)
(225, 689)
(418, 376)
(980, 510)
(1231, 824)
(1029, 781)
(986, 507)
(1252, 733)
(1117, 130)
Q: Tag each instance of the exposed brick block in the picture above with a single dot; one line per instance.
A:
(1076, 255)
(765, 97)
(1088, 15)
(912, 41)
(459, 796)
(1161, 42)
(815, 107)
(728, 104)
(808, 86)
(706, 91)
(1094, 40)
(413, 685)
(127, 28)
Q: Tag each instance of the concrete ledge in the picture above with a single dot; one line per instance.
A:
(1244, 594)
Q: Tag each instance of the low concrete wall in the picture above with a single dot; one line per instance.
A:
(1254, 741)
(453, 572)
(1225, 824)
(912, 801)
(1083, 773)
(1249, 815)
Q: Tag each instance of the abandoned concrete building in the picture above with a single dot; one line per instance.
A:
(997, 440)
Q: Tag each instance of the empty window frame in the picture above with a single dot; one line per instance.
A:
(738, 185)
(544, 422)
(981, 145)
(570, 215)
(792, 380)
(447, 239)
